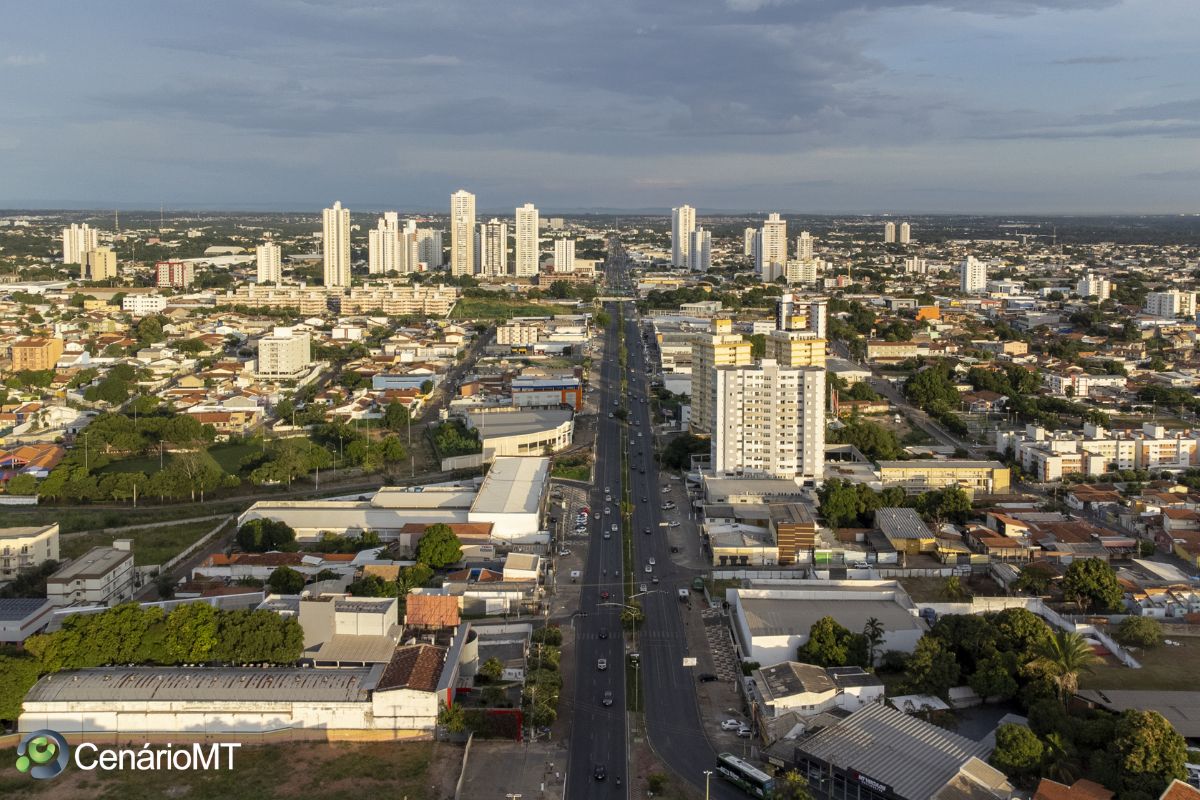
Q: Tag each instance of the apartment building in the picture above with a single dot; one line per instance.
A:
(173, 274)
(286, 353)
(1050, 455)
(26, 548)
(719, 348)
(143, 305)
(1173, 303)
(401, 300)
(36, 354)
(796, 349)
(103, 576)
(769, 420)
(923, 475)
(307, 301)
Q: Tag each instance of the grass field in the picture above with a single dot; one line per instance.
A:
(502, 308)
(1164, 668)
(150, 545)
(229, 456)
(265, 772)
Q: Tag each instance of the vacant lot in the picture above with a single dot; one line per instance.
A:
(311, 771)
(1165, 668)
(503, 308)
(150, 545)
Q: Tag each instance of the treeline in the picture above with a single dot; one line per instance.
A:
(851, 505)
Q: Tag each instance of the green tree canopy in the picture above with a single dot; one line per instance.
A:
(285, 580)
(439, 547)
(1018, 753)
(263, 535)
(1093, 584)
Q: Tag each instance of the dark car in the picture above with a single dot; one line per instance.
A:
(600, 772)
(604, 595)
(706, 677)
(604, 633)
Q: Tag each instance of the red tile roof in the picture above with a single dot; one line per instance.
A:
(417, 666)
(431, 610)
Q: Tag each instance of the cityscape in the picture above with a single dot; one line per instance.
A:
(309, 493)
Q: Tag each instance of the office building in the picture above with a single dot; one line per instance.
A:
(771, 249)
(269, 263)
(284, 354)
(1173, 303)
(769, 420)
(174, 274)
(103, 576)
(889, 233)
(462, 233)
(1092, 285)
(710, 351)
(905, 233)
(27, 548)
(493, 249)
(100, 264)
(749, 240)
(683, 222)
(804, 246)
(972, 275)
(335, 235)
(36, 355)
(78, 240)
(383, 245)
(699, 256)
(564, 255)
(525, 262)
(429, 247)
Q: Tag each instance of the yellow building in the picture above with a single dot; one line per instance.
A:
(92, 304)
(922, 475)
(36, 354)
(100, 264)
(796, 349)
(711, 351)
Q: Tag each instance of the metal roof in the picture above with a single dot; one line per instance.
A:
(16, 609)
(901, 523)
(350, 649)
(95, 563)
(913, 757)
(1181, 709)
(203, 684)
(513, 485)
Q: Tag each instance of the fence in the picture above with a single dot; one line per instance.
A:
(196, 545)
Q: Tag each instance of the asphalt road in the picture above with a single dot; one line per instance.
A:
(599, 735)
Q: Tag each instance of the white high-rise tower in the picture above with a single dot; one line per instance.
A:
(526, 260)
(335, 230)
(905, 233)
(683, 222)
(699, 257)
(772, 252)
(462, 233)
(972, 275)
(889, 233)
(493, 249)
(383, 245)
(78, 241)
(269, 263)
(804, 246)
(564, 255)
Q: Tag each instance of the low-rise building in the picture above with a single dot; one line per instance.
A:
(26, 548)
(922, 475)
(36, 355)
(103, 576)
(809, 690)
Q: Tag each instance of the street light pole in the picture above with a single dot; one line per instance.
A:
(707, 778)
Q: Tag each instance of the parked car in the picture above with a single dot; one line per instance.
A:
(706, 677)
(731, 724)
(745, 732)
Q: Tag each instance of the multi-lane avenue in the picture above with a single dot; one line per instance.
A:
(599, 736)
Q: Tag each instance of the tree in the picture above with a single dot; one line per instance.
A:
(439, 547)
(993, 677)
(491, 669)
(792, 786)
(954, 591)
(1147, 751)
(18, 674)
(1093, 583)
(395, 416)
(192, 633)
(873, 441)
(373, 586)
(1140, 632)
(1063, 656)
(264, 535)
(932, 668)
(285, 580)
(758, 346)
(1035, 578)
(22, 484)
(873, 632)
(831, 645)
(1018, 753)
(452, 718)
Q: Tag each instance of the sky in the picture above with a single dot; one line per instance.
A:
(817, 106)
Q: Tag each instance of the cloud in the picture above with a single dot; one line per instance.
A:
(1096, 60)
(24, 60)
(1188, 175)
(433, 60)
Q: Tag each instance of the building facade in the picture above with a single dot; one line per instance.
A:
(525, 261)
(335, 237)
(493, 249)
(683, 223)
(719, 348)
(462, 233)
(284, 354)
(268, 263)
(36, 354)
(100, 264)
(771, 249)
(564, 255)
(77, 241)
(26, 548)
(103, 576)
(174, 274)
(972, 274)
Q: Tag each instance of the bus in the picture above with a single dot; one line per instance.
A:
(748, 778)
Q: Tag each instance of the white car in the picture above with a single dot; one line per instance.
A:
(608, 498)
(601, 664)
(731, 725)
(607, 510)
(643, 587)
(745, 732)
(649, 569)
(674, 525)
(651, 561)
(614, 528)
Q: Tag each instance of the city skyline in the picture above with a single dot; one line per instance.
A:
(1038, 106)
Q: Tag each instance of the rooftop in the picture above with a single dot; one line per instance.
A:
(416, 666)
(1181, 709)
(795, 616)
(933, 463)
(212, 684)
(902, 523)
(95, 563)
(26, 531)
(492, 425)
(791, 678)
(15, 609)
(513, 485)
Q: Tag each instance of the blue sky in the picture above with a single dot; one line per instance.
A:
(1086, 106)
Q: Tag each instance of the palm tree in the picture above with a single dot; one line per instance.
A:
(1059, 762)
(873, 630)
(953, 590)
(1064, 655)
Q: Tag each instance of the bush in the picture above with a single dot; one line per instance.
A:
(1139, 632)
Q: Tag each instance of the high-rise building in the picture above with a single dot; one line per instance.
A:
(796, 348)
(100, 264)
(769, 421)
(429, 247)
(772, 245)
(1172, 303)
(269, 263)
(462, 233)
(383, 245)
(335, 236)
(905, 233)
(719, 348)
(526, 253)
(972, 275)
(78, 241)
(917, 265)
(699, 256)
(683, 222)
(564, 255)
(804, 246)
(493, 248)
(818, 317)
(284, 354)
(889, 233)
(174, 274)
(749, 241)
(1092, 285)
(815, 317)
